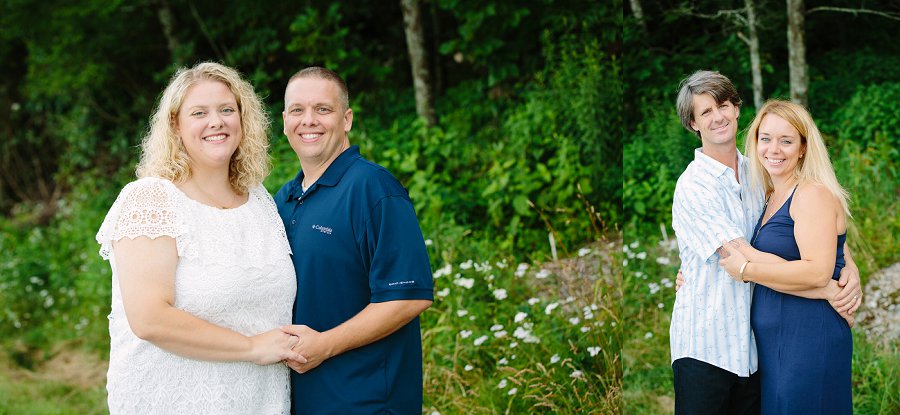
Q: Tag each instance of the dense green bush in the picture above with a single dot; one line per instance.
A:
(870, 116)
(54, 285)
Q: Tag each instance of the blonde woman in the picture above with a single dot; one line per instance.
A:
(201, 273)
(804, 345)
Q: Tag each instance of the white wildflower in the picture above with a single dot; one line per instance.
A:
(533, 301)
(496, 327)
(500, 294)
(525, 335)
(468, 368)
(502, 384)
(428, 242)
(584, 251)
(550, 308)
(479, 341)
(466, 283)
(663, 260)
(466, 265)
(512, 391)
(520, 270)
(519, 317)
(445, 270)
(648, 335)
(465, 333)
(443, 293)
(461, 313)
(576, 374)
(542, 274)
(554, 359)
(574, 320)
(593, 350)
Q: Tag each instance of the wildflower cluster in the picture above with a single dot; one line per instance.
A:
(494, 323)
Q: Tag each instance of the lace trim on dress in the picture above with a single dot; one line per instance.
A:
(145, 207)
(155, 207)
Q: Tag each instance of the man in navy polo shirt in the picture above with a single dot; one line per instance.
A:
(363, 275)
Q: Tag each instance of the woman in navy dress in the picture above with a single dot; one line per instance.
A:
(804, 345)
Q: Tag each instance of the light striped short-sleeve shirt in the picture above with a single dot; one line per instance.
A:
(711, 317)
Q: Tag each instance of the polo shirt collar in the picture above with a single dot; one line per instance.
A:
(713, 167)
(332, 175)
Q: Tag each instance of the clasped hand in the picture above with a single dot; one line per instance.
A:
(731, 260)
(312, 348)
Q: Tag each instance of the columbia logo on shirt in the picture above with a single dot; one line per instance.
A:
(324, 229)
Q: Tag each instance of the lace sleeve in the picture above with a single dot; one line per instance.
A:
(146, 207)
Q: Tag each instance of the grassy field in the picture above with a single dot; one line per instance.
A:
(650, 266)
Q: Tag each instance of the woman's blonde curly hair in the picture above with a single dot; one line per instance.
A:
(162, 151)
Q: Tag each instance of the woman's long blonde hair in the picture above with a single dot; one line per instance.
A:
(162, 151)
(814, 167)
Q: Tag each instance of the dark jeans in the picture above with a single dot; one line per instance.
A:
(701, 388)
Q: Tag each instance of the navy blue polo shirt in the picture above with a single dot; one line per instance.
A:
(355, 240)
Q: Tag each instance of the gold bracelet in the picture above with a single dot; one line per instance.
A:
(743, 267)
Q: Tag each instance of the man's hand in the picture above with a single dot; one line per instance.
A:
(679, 280)
(313, 346)
(849, 298)
(830, 291)
(732, 261)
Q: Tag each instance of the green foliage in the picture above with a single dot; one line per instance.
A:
(489, 160)
(871, 175)
(54, 286)
(652, 161)
(872, 115)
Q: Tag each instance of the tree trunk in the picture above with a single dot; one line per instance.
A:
(797, 52)
(638, 13)
(438, 79)
(755, 65)
(415, 43)
(167, 21)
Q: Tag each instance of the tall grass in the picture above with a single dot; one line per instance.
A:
(525, 338)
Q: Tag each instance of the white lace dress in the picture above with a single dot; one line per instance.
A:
(234, 270)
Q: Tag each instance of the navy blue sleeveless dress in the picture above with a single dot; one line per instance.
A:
(804, 346)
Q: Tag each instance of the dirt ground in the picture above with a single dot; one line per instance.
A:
(879, 316)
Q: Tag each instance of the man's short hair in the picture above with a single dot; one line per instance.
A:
(703, 82)
(327, 74)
